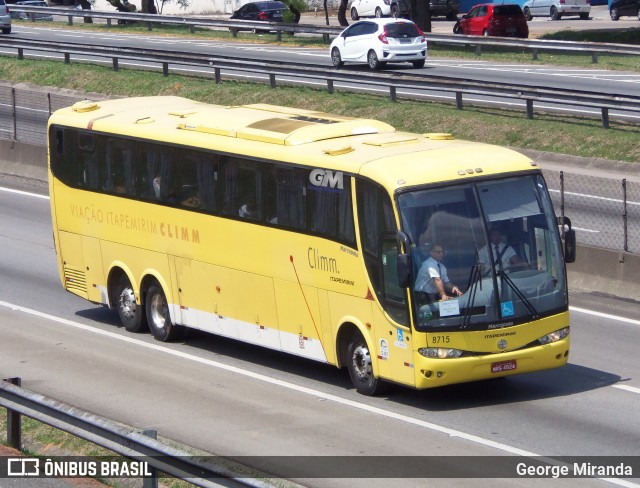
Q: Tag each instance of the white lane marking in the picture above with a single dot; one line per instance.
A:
(20, 192)
(605, 315)
(607, 199)
(632, 389)
(586, 230)
(302, 389)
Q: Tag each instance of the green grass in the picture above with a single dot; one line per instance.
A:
(552, 133)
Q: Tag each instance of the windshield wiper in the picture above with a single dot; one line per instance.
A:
(475, 281)
(505, 278)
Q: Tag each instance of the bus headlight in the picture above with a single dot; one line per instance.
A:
(439, 353)
(554, 336)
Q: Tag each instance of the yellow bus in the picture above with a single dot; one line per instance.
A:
(311, 234)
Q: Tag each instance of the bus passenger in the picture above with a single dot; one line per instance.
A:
(433, 279)
(503, 256)
(190, 198)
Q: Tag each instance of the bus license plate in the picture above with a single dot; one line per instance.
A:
(503, 366)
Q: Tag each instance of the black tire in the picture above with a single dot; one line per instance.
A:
(373, 61)
(457, 29)
(452, 16)
(485, 33)
(360, 368)
(584, 16)
(336, 59)
(158, 317)
(131, 314)
(395, 11)
(527, 14)
(614, 14)
(6, 30)
(554, 14)
(378, 13)
(354, 14)
(419, 63)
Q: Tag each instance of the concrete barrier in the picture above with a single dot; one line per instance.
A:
(23, 160)
(595, 270)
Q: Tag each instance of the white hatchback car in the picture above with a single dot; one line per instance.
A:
(370, 8)
(556, 8)
(378, 42)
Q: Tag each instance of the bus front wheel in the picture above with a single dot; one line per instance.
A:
(360, 367)
(158, 317)
(131, 314)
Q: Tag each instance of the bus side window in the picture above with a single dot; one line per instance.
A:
(88, 162)
(119, 168)
(285, 197)
(331, 212)
(241, 188)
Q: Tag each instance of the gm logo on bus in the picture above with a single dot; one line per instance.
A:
(325, 178)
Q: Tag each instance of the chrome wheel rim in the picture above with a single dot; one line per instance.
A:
(361, 361)
(127, 303)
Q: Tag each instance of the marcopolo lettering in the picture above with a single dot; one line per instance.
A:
(327, 179)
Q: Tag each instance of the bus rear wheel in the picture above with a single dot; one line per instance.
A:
(158, 317)
(131, 314)
(360, 367)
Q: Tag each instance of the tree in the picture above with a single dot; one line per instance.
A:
(342, 13)
(422, 14)
(84, 5)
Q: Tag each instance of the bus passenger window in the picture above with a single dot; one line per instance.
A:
(241, 188)
(119, 169)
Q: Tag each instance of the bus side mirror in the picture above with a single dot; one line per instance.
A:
(404, 270)
(570, 246)
(569, 236)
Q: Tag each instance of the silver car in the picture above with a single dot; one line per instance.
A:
(31, 15)
(5, 18)
(556, 8)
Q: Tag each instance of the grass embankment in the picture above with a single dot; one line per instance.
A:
(558, 134)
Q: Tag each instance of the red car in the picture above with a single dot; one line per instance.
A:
(488, 19)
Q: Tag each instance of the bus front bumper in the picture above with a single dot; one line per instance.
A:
(432, 373)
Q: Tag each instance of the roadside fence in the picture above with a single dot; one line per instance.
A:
(140, 446)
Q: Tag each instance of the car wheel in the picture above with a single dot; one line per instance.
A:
(395, 11)
(554, 14)
(485, 32)
(336, 59)
(419, 63)
(452, 16)
(158, 317)
(6, 30)
(457, 29)
(527, 14)
(373, 61)
(584, 16)
(378, 13)
(354, 14)
(614, 14)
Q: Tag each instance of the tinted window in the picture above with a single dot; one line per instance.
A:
(403, 29)
(507, 10)
(314, 201)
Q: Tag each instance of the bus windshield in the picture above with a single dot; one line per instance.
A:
(495, 248)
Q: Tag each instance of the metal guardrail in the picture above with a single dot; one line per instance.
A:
(417, 84)
(117, 438)
(534, 45)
